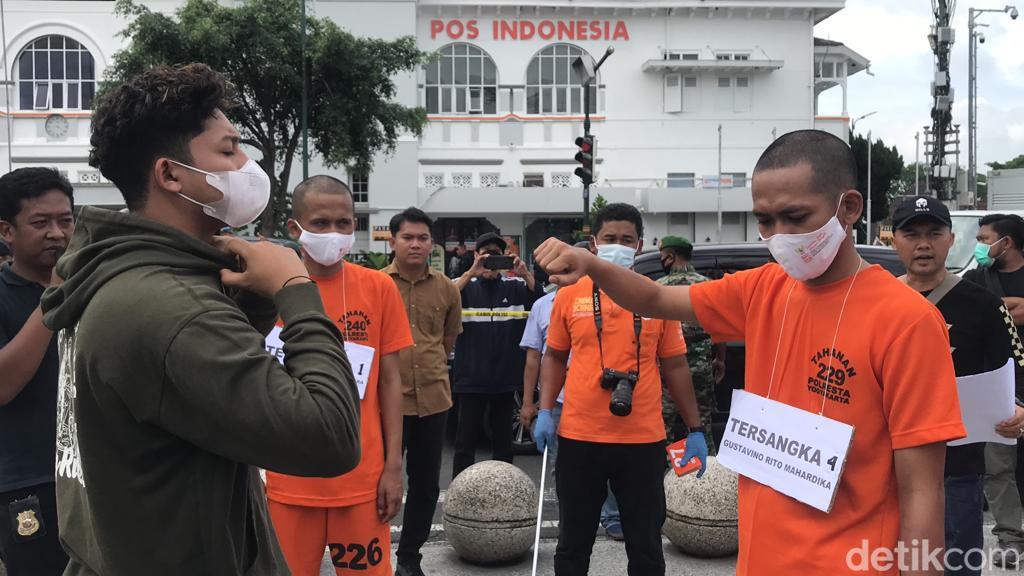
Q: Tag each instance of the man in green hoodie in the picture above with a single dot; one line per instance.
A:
(168, 400)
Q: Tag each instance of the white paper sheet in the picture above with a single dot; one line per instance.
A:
(986, 399)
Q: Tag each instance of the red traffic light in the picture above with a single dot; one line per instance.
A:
(585, 157)
(585, 145)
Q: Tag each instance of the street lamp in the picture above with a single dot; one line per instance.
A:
(972, 89)
(585, 68)
(853, 126)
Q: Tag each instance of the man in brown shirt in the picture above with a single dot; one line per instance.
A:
(434, 307)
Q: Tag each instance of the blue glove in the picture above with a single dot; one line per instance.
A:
(696, 446)
(544, 430)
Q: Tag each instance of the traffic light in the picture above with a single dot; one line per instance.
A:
(588, 151)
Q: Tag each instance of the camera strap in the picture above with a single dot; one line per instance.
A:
(599, 324)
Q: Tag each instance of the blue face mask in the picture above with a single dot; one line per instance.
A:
(981, 251)
(617, 254)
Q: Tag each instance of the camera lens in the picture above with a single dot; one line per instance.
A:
(622, 399)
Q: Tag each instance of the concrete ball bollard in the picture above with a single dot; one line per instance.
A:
(701, 514)
(490, 513)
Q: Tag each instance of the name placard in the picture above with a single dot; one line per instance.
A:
(792, 451)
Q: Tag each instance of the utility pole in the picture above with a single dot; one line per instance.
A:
(917, 163)
(718, 185)
(305, 99)
(869, 186)
(941, 40)
(8, 84)
(972, 89)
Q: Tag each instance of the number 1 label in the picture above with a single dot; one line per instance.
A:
(361, 359)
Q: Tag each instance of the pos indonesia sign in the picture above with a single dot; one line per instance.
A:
(558, 30)
(797, 453)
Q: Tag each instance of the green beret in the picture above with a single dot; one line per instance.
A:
(674, 242)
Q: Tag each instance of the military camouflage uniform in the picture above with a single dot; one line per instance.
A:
(698, 355)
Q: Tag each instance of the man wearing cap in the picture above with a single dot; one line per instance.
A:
(707, 360)
(982, 338)
(488, 360)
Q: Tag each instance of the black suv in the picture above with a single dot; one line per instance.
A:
(715, 261)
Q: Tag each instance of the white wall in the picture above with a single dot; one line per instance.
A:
(1006, 189)
(638, 141)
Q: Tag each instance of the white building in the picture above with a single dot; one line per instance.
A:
(505, 105)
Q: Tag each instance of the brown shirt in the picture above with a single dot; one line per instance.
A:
(434, 307)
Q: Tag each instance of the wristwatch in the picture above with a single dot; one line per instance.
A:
(693, 429)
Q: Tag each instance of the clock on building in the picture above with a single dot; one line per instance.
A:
(56, 126)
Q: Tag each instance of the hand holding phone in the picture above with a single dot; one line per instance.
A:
(494, 262)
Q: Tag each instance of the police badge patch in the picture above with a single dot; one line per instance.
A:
(27, 519)
(28, 524)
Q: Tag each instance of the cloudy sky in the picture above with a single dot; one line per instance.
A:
(892, 34)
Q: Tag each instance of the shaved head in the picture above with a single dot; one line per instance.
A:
(319, 184)
(833, 165)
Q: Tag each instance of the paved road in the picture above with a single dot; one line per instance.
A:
(609, 557)
(530, 463)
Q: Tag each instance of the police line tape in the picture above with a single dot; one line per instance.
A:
(501, 313)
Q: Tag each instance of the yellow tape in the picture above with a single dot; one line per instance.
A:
(509, 314)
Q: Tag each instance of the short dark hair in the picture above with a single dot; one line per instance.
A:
(27, 183)
(833, 165)
(410, 214)
(618, 211)
(319, 184)
(154, 114)
(1006, 225)
(5, 250)
(684, 252)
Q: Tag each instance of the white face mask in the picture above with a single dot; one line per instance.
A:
(246, 193)
(807, 256)
(326, 249)
(617, 254)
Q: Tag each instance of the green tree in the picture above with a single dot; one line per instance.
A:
(886, 174)
(257, 45)
(1017, 162)
(904, 186)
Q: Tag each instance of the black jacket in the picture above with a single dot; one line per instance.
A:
(488, 359)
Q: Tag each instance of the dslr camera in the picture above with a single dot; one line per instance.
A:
(621, 384)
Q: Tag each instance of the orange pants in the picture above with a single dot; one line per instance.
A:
(359, 542)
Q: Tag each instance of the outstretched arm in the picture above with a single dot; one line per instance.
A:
(628, 289)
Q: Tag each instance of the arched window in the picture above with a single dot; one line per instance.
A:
(464, 80)
(553, 86)
(55, 73)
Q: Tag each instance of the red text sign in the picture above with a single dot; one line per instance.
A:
(559, 30)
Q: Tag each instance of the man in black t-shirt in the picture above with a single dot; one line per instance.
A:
(982, 338)
(1001, 271)
(36, 221)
